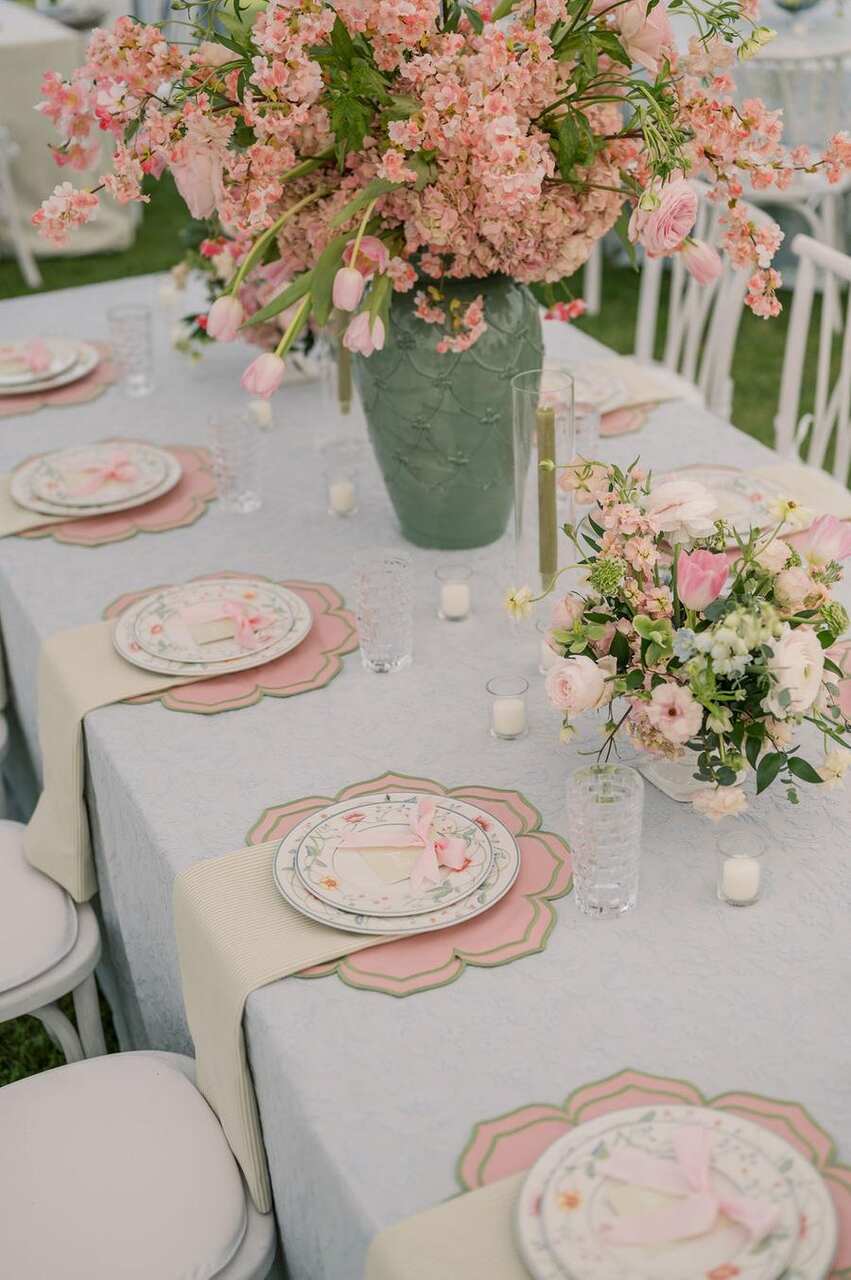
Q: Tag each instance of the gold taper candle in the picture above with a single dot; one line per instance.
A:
(344, 379)
(545, 421)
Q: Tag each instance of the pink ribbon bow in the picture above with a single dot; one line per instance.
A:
(35, 355)
(247, 621)
(119, 468)
(437, 851)
(689, 1177)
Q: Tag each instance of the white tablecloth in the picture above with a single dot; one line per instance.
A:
(366, 1100)
(31, 44)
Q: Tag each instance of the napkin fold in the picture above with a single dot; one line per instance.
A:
(437, 851)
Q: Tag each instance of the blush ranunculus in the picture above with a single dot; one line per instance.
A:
(662, 230)
(827, 538)
(264, 375)
(796, 666)
(700, 577)
(225, 318)
(701, 261)
(681, 507)
(348, 289)
(576, 684)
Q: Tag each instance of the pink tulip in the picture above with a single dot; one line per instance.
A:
(364, 335)
(224, 319)
(348, 289)
(644, 35)
(263, 376)
(826, 539)
(663, 229)
(700, 577)
(701, 261)
(373, 256)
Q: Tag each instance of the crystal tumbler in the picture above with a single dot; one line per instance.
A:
(131, 336)
(604, 809)
(236, 442)
(384, 607)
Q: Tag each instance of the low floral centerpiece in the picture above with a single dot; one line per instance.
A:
(413, 168)
(701, 640)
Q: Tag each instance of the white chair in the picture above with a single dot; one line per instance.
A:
(703, 320)
(810, 434)
(10, 214)
(49, 947)
(592, 280)
(117, 1167)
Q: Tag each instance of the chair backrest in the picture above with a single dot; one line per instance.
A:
(703, 320)
(828, 423)
(812, 92)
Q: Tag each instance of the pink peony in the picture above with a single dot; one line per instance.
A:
(364, 335)
(264, 375)
(576, 684)
(826, 539)
(348, 289)
(673, 711)
(225, 318)
(700, 577)
(662, 230)
(644, 35)
(701, 261)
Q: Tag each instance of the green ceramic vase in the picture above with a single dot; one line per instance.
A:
(441, 425)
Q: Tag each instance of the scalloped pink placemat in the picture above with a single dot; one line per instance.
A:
(511, 1143)
(622, 422)
(182, 505)
(518, 925)
(315, 663)
(80, 392)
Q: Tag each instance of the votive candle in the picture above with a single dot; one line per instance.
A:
(455, 594)
(508, 707)
(740, 851)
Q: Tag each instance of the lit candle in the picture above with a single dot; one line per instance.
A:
(740, 880)
(455, 600)
(509, 717)
(341, 496)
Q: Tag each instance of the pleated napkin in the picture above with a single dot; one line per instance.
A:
(79, 670)
(468, 1238)
(236, 933)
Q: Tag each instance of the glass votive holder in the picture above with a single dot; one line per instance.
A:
(455, 599)
(740, 851)
(508, 718)
(547, 656)
(341, 467)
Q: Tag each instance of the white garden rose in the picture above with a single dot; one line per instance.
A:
(681, 507)
(796, 667)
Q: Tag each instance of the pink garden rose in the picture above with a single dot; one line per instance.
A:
(264, 375)
(662, 230)
(826, 539)
(673, 711)
(225, 318)
(644, 35)
(348, 289)
(700, 577)
(567, 612)
(701, 261)
(576, 684)
(364, 334)
(681, 507)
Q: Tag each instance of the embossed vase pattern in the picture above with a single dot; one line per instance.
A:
(441, 425)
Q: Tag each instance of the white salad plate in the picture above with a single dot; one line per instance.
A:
(22, 492)
(86, 359)
(61, 477)
(14, 371)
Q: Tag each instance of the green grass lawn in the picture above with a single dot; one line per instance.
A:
(24, 1046)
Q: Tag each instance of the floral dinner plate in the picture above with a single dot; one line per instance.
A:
(99, 474)
(21, 489)
(197, 622)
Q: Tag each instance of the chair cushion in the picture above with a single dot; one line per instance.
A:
(115, 1167)
(38, 920)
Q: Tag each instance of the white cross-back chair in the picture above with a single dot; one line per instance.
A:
(49, 947)
(117, 1169)
(703, 320)
(809, 432)
(10, 212)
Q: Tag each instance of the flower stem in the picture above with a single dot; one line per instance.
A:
(294, 326)
(262, 241)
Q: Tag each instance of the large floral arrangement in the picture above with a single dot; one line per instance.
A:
(378, 142)
(698, 638)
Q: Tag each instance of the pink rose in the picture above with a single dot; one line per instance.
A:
(826, 539)
(673, 711)
(264, 375)
(700, 577)
(701, 261)
(364, 335)
(576, 684)
(225, 318)
(644, 35)
(566, 613)
(663, 229)
(197, 177)
(348, 289)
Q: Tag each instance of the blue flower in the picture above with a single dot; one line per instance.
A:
(684, 644)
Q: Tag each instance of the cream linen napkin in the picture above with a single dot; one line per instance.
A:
(236, 933)
(15, 519)
(468, 1238)
(79, 670)
(809, 485)
(642, 384)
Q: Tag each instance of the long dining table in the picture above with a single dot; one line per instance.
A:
(367, 1100)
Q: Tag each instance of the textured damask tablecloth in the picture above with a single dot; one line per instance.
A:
(366, 1099)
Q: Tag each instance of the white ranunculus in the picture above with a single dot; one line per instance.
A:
(796, 667)
(681, 507)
